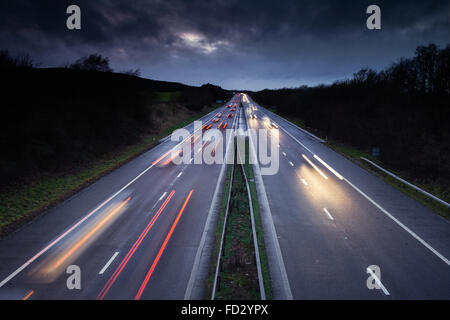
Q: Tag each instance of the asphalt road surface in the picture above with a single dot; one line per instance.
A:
(141, 232)
(332, 227)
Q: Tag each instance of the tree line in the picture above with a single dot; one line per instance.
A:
(403, 109)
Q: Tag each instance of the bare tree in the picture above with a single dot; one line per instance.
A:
(93, 62)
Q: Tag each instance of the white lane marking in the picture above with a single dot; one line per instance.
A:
(284, 154)
(329, 168)
(412, 233)
(400, 224)
(108, 263)
(192, 159)
(315, 167)
(328, 213)
(304, 182)
(378, 281)
(36, 256)
(179, 175)
(290, 162)
(163, 195)
(295, 139)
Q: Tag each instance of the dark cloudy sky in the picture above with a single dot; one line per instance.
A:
(233, 43)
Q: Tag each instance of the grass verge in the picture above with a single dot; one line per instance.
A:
(258, 224)
(238, 276)
(21, 203)
(161, 96)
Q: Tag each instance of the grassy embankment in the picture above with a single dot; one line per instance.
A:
(20, 203)
(57, 139)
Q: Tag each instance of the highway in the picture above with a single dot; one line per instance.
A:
(334, 219)
(145, 230)
(141, 232)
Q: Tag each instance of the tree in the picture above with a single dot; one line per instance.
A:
(93, 62)
(7, 61)
(131, 72)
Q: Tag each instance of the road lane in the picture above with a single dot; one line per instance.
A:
(155, 178)
(328, 258)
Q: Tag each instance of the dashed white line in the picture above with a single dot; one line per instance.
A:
(378, 281)
(290, 162)
(304, 182)
(108, 263)
(328, 213)
(179, 175)
(163, 195)
(284, 154)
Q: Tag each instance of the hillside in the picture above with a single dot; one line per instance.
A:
(58, 119)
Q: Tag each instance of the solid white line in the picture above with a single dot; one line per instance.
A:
(290, 162)
(378, 281)
(289, 134)
(329, 168)
(304, 182)
(36, 256)
(163, 195)
(109, 262)
(315, 167)
(301, 129)
(440, 256)
(328, 214)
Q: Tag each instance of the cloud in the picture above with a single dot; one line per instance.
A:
(248, 44)
(199, 42)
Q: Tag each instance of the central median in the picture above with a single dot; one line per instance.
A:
(237, 271)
